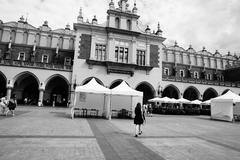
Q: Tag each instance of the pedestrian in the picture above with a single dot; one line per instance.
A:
(12, 104)
(138, 119)
(150, 109)
(3, 104)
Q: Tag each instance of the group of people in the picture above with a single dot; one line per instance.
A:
(8, 105)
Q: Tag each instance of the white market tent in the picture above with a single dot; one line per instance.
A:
(124, 97)
(224, 106)
(183, 100)
(196, 101)
(93, 96)
(207, 102)
(155, 99)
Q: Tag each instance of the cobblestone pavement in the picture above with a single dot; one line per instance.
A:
(49, 133)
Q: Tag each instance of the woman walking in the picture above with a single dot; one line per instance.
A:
(138, 119)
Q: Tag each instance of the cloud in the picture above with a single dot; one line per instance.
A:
(211, 23)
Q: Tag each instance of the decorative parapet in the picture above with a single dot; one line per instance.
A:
(35, 65)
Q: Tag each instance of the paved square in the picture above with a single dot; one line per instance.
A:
(49, 133)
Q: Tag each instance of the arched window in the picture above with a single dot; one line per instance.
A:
(25, 38)
(1, 32)
(49, 41)
(129, 24)
(117, 22)
(60, 42)
(13, 36)
(37, 38)
(71, 43)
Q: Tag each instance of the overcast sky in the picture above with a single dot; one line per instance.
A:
(214, 24)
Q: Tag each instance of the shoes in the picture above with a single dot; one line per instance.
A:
(140, 133)
(136, 135)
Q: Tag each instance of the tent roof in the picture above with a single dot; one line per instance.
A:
(196, 101)
(93, 87)
(124, 89)
(183, 100)
(228, 96)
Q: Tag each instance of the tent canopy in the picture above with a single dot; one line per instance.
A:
(196, 102)
(207, 102)
(183, 100)
(93, 87)
(227, 96)
(124, 89)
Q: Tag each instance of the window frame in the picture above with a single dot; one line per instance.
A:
(100, 52)
(196, 74)
(183, 73)
(141, 57)
(121, 54)
(19, 56)
(67, 61)
(43, 58)
(166, 71)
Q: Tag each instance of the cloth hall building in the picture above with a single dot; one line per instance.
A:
(42, 66)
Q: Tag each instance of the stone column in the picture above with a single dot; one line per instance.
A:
(40, 99)
(147, 60)
(9, 92)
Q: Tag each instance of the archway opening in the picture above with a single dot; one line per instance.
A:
(115, 84)
(190, 94)
(225, 91)
(26, 89)
(3, 88)
(208, 94)
(147, 90)
(56, 92)
(170, 92)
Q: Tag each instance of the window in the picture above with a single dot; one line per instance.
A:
(121, 54)
(129, 26)
(166, 71)
(181, 73)
(25, 37)
(71, 43)
(67, 61)
(21, 56)
(100, 52)
(13, 36)
(49, 41)
(209, 76)
(44, 58)
(141, 57)
(196, 75)
(60, 42)
(117, 22)
(1, 32)
(37, 38)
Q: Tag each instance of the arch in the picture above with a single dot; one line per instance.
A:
(26, 85)
(49, 41)
(56, 75)
(191, 93)
(89, 78)
(147, 89)
(225, 91)
(3, 84)
(25, 37)
(171, 91)
(25, 73)
(129, 25)
(1, 33)
(60, 42)
(13, 36)
(117, 22)
(209, 93)
(37, 39)
(56, 91)
(71, 43)
(115, 83)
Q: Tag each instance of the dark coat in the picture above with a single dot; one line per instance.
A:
(139, 116)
